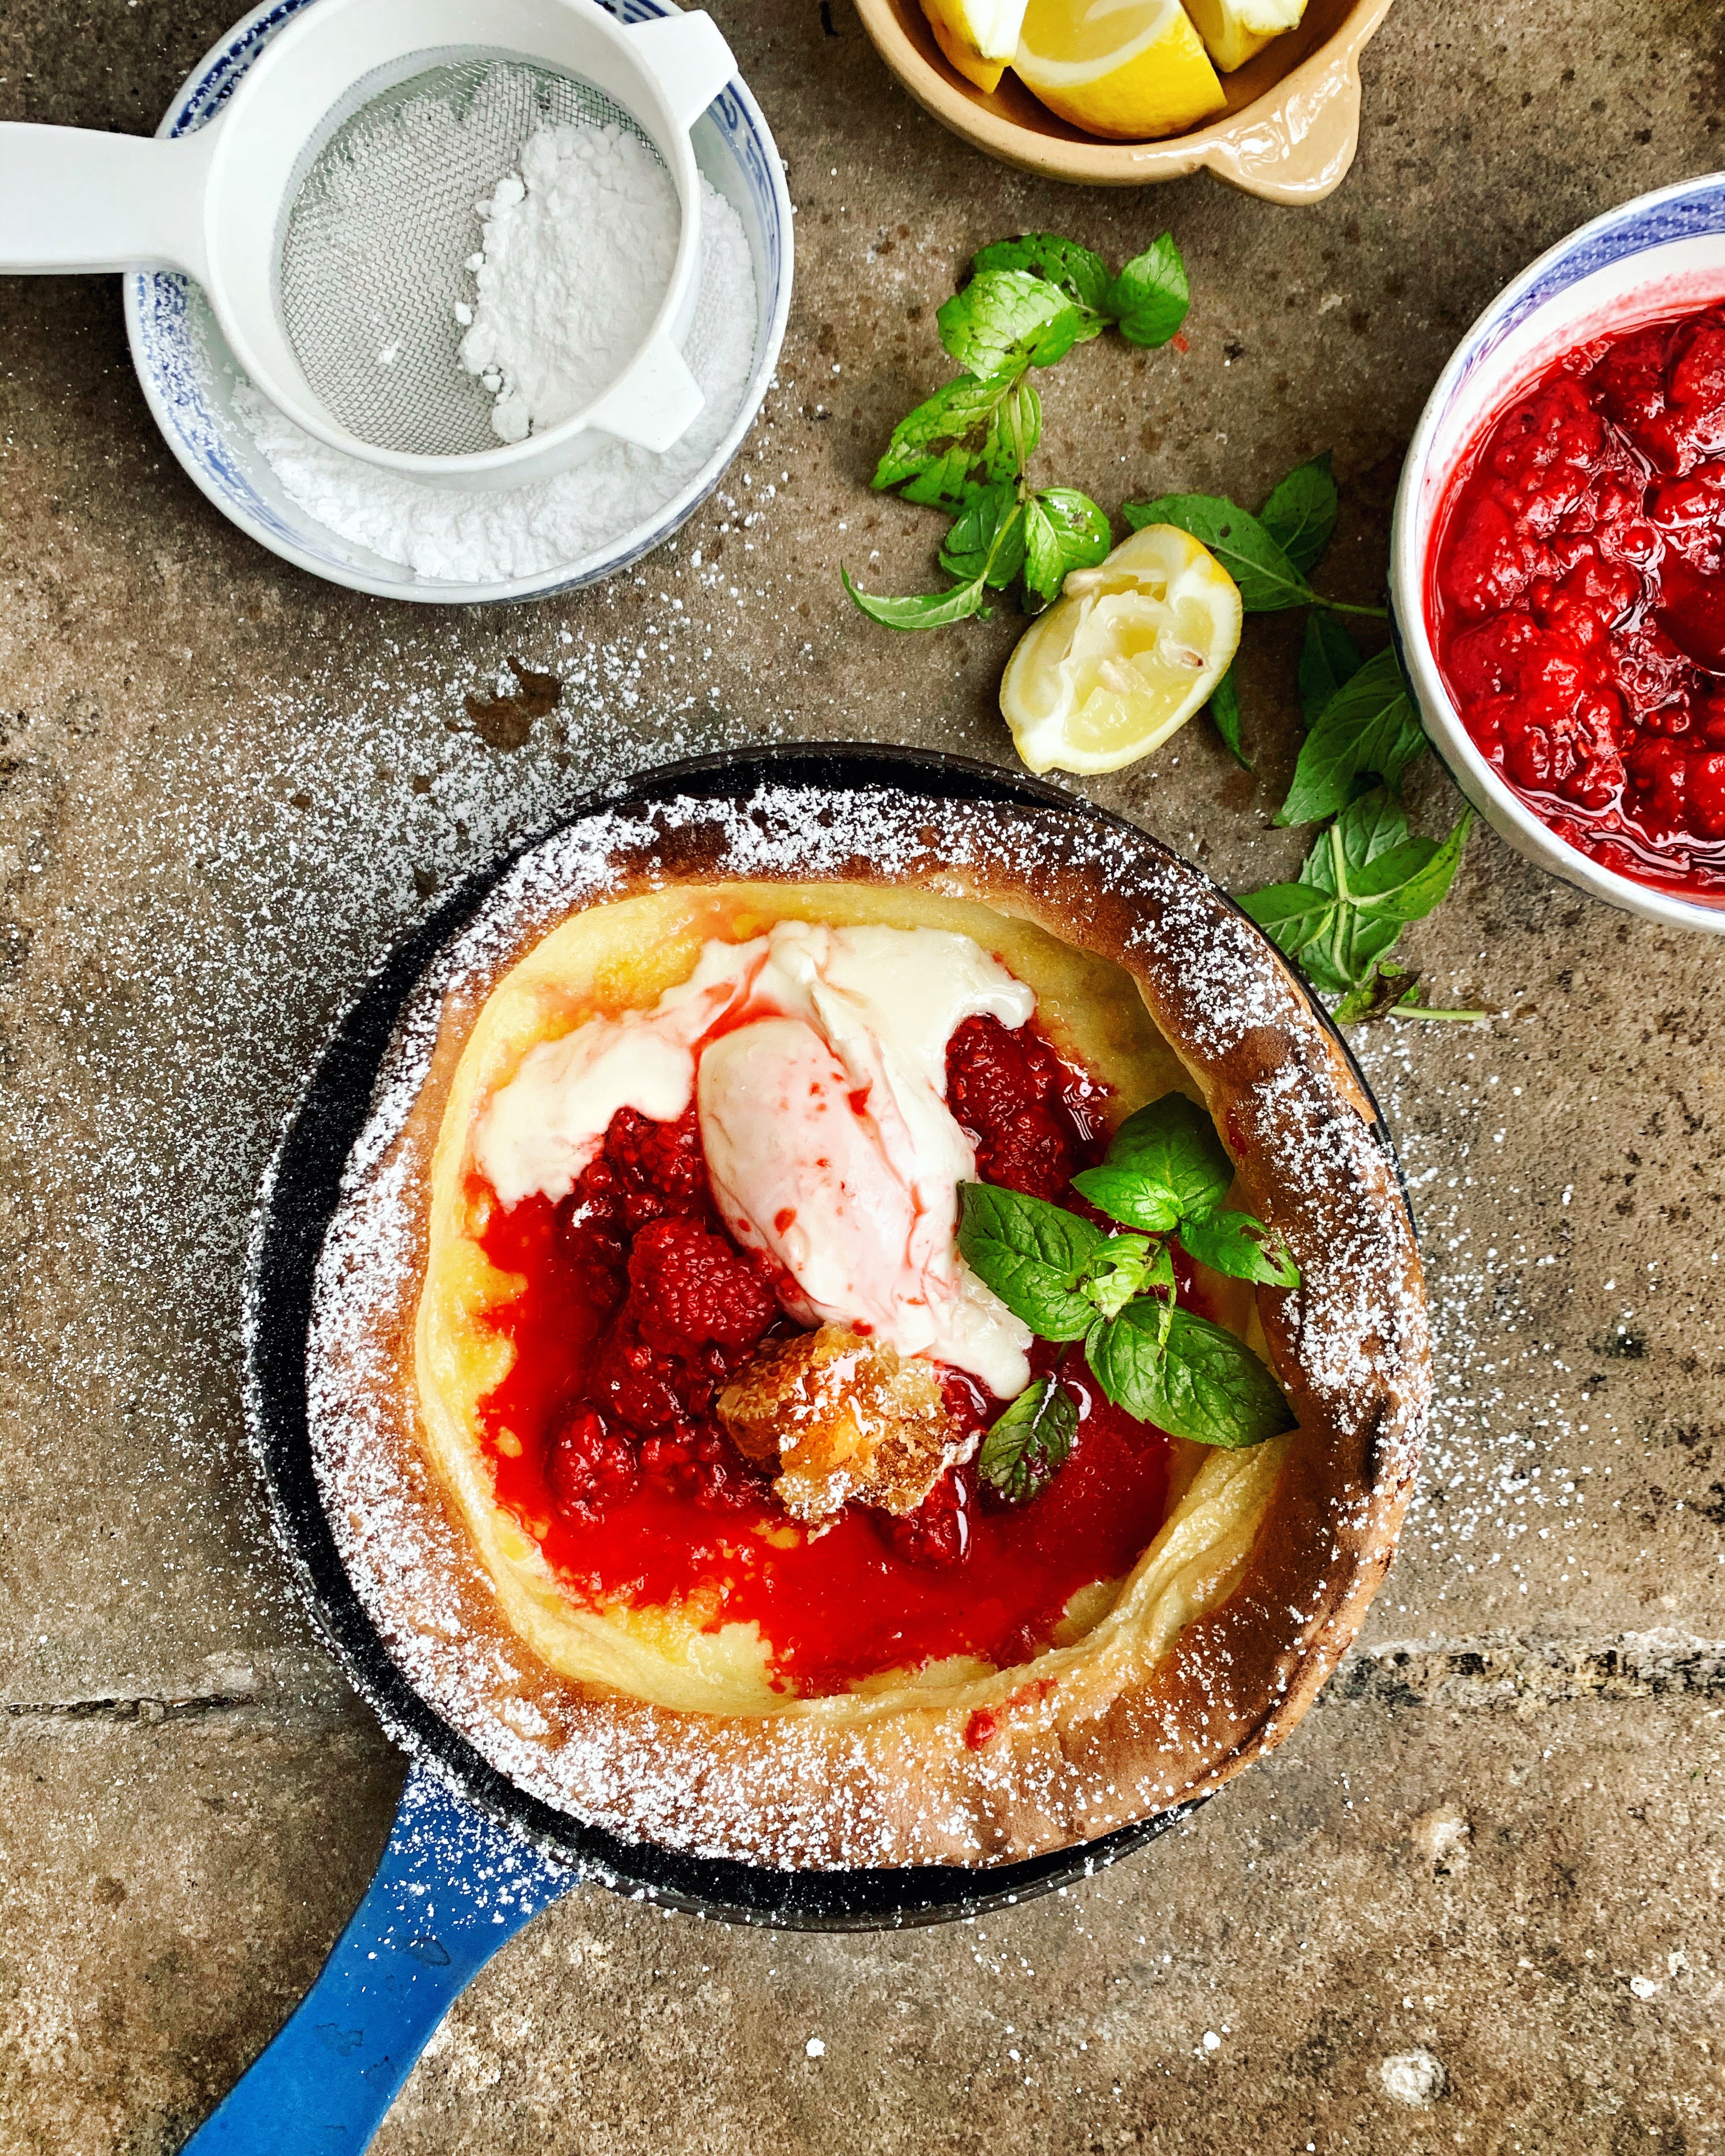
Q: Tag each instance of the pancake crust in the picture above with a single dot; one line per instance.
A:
(637, 1719)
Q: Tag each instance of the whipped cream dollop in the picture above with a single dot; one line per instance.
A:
(818, 1057)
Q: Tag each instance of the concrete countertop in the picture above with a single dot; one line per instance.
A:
(224, 786)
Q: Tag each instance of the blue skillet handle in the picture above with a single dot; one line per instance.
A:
(452, 1887)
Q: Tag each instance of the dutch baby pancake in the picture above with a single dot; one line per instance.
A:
(865, 1330)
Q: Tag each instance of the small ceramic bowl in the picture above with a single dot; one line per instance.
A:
(189, 376)
(1289, 133)
(1654, 256)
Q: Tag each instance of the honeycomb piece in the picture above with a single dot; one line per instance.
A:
(845, 1417)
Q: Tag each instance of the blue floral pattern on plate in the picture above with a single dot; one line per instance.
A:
(1692, 210)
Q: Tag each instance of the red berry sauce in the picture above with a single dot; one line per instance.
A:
(1577, 599)
(637, 1308)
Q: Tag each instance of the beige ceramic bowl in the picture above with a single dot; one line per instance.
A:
(1288, 135)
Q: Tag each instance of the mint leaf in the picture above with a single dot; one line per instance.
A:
(1368, 727)
(1366, 829)
(1124, 1194)
(988, 540)
(1293, 915)
(927, 610)
(1150, 297)
(1164, 1165)
(1007, 319)
(1078, 272)
(1124, 1266)
(1063, 531)
(1268, 580)
(1327, 659)
(1203, 1383)
(1031, 1254)
(1029, 1441)
(1224, 714)
(1243, 1248)
(1353, 938)
(1300, 513)
(954, 440)
(1413, 881)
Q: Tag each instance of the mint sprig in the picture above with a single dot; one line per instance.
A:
(1364, 880)
(1344, 916)
(1271, 556)
(1165, 1166)
(1165, 1176)
(1026, 303)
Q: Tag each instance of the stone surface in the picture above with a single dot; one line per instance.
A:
(1495, 1844)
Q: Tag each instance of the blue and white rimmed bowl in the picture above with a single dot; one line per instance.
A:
(1653, 257)
(189, 376)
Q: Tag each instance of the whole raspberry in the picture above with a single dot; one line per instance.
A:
(590, 1468)
(690, 1287)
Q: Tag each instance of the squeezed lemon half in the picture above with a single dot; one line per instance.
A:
(1129, 68)
(1125, 657)
(978, 37)
(1234, 30)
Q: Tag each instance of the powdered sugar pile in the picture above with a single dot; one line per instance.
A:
(450, 536)
(579, 245)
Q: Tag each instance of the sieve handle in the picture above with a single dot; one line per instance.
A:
(688, 57)
(655, 404)
(73, 198)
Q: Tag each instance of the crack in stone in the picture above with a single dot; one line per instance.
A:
(1528, 1674)
(1472, 1675)
(184, 1707)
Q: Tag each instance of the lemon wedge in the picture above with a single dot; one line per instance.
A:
(1126, 68)
(978, 37)
(1125, 657)
(1233, 30)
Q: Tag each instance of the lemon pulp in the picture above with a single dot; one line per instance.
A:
(1125, 658)
(978, 37)
(1131, 68)
(1234, 30)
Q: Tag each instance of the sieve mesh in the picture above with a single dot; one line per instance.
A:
(375, 250)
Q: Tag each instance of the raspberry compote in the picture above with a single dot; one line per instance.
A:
(1576, 594)
(636, 1307)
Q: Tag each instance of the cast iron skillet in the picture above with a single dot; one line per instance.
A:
(298, 1197)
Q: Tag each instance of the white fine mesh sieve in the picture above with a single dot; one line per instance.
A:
(375, 250)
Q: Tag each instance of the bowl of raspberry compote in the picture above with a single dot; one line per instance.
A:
(1557, 565)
